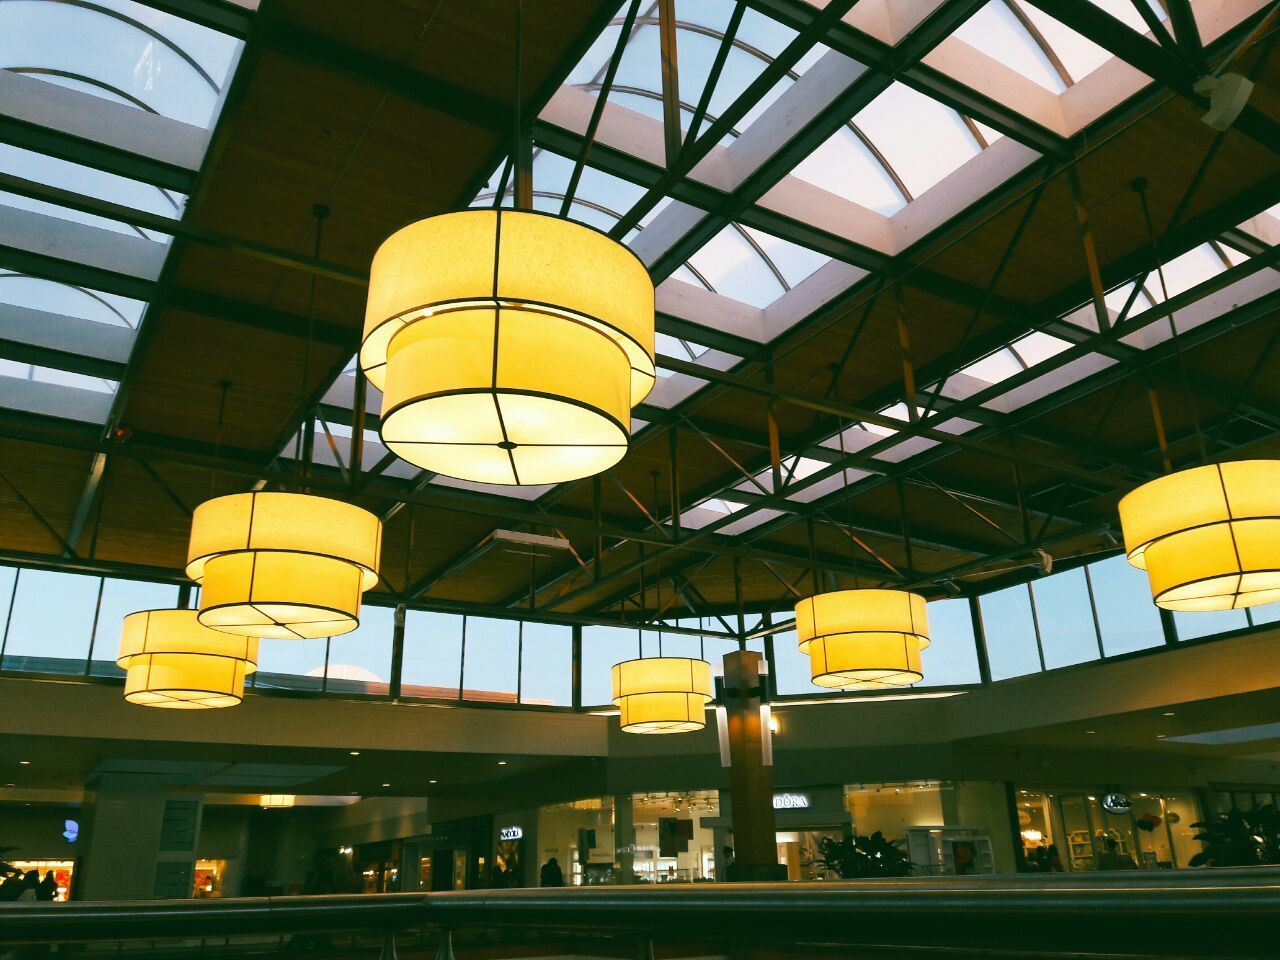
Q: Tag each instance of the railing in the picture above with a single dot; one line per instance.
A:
(1203, 914)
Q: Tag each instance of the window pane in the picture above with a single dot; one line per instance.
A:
(360, 661)
(8, 580)
(1126, 615)
(1011, 634)
(953, 656)
(119, 599)
(51, 622)
(791, 665)
(432, 655)
(1192, 626)
(1266, 613)
(290, 664)
(1065, 616)
(491, 659)
(546, 664)
(602, 647)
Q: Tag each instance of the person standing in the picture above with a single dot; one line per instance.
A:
(551, 875)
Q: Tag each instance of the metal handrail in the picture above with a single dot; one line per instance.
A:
(1227, 913)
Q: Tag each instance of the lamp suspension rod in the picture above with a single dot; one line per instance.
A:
(521, 147)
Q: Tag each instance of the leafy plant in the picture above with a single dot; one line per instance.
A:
(1239, 838)
(860, 856)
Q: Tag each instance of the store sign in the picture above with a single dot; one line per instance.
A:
(510, 833)
(1118, 803)
(791, 801)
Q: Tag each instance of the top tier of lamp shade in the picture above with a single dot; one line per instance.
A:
(1208, 537)
(863, 639)
(171, 660)
(662, 694)
(282, 565)
(510, 345)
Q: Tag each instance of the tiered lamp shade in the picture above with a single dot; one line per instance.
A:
(170, 660)
(662, 694)
(1208, 537)
(510, 345)
(276, 801)
(863, 639)
(282, 565)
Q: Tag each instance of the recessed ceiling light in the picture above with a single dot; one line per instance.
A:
(1091, 731)
(355, 753)
(502, 763)
(433, 781)
(24, 763)
(1160, 736)
(1168, 713)
(386, 784)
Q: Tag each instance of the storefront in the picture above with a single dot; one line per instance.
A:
(1107, 828)
(62, 870)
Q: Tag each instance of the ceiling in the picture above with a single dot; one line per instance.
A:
(913, 321)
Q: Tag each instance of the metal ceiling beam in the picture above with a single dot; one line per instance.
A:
(1177, 73)
(395, 77)
(224, 16)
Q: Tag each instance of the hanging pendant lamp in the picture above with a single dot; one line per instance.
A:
(662, 694)
(276, 801)
(863, 639)
(510, 345)
(170, 660)
(1208, 537)
(282, 565)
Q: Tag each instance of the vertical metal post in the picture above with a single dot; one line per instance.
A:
(980, 641)
(1161, 438)
(737, 595)
(597, 561)
(766, 620)
(1035, 625)
(673, 465)
(670, 80)
(93, 631)
(357, 427)
(397, 651)
(1090, 251)
(904, 343)
(462, 658)
(1093, 608)
(775, 447)
(1022, 504)
(1169, 627)
(184, 597)
(521, 145)
(8, 617)
(576, 667)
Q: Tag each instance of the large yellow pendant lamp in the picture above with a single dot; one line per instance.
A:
(170, 660)
(863, 639)
(662, 694)
(282, 565)
(1208, 537)
(510, 345)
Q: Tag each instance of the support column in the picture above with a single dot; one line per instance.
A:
(624, 839)
(139, 842)
(755, 847)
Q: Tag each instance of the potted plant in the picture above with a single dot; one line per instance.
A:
(1239, 838)
(861, 856)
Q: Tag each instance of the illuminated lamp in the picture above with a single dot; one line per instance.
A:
(171, 660)
(863, 639)
(1208, 537)
(282, 565)
(662, 694)
(510, 345)
(276, 801)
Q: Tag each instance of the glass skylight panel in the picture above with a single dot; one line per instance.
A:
(493, 489)
(843, 165)
(996, 31)
(65, 378)
(122, 51)
(1182, 273)
(700, 26)
(753, 267)
(37, 293)
(921, 139)
(1079, 55)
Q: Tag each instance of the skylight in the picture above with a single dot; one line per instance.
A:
(753, 267)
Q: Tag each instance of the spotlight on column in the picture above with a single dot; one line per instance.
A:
(1228, 95)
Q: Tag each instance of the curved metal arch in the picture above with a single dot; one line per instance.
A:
(792, 75)
(143, 28)
(85, 290)
(1038, 39)
(653, 95)
(100, 84)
